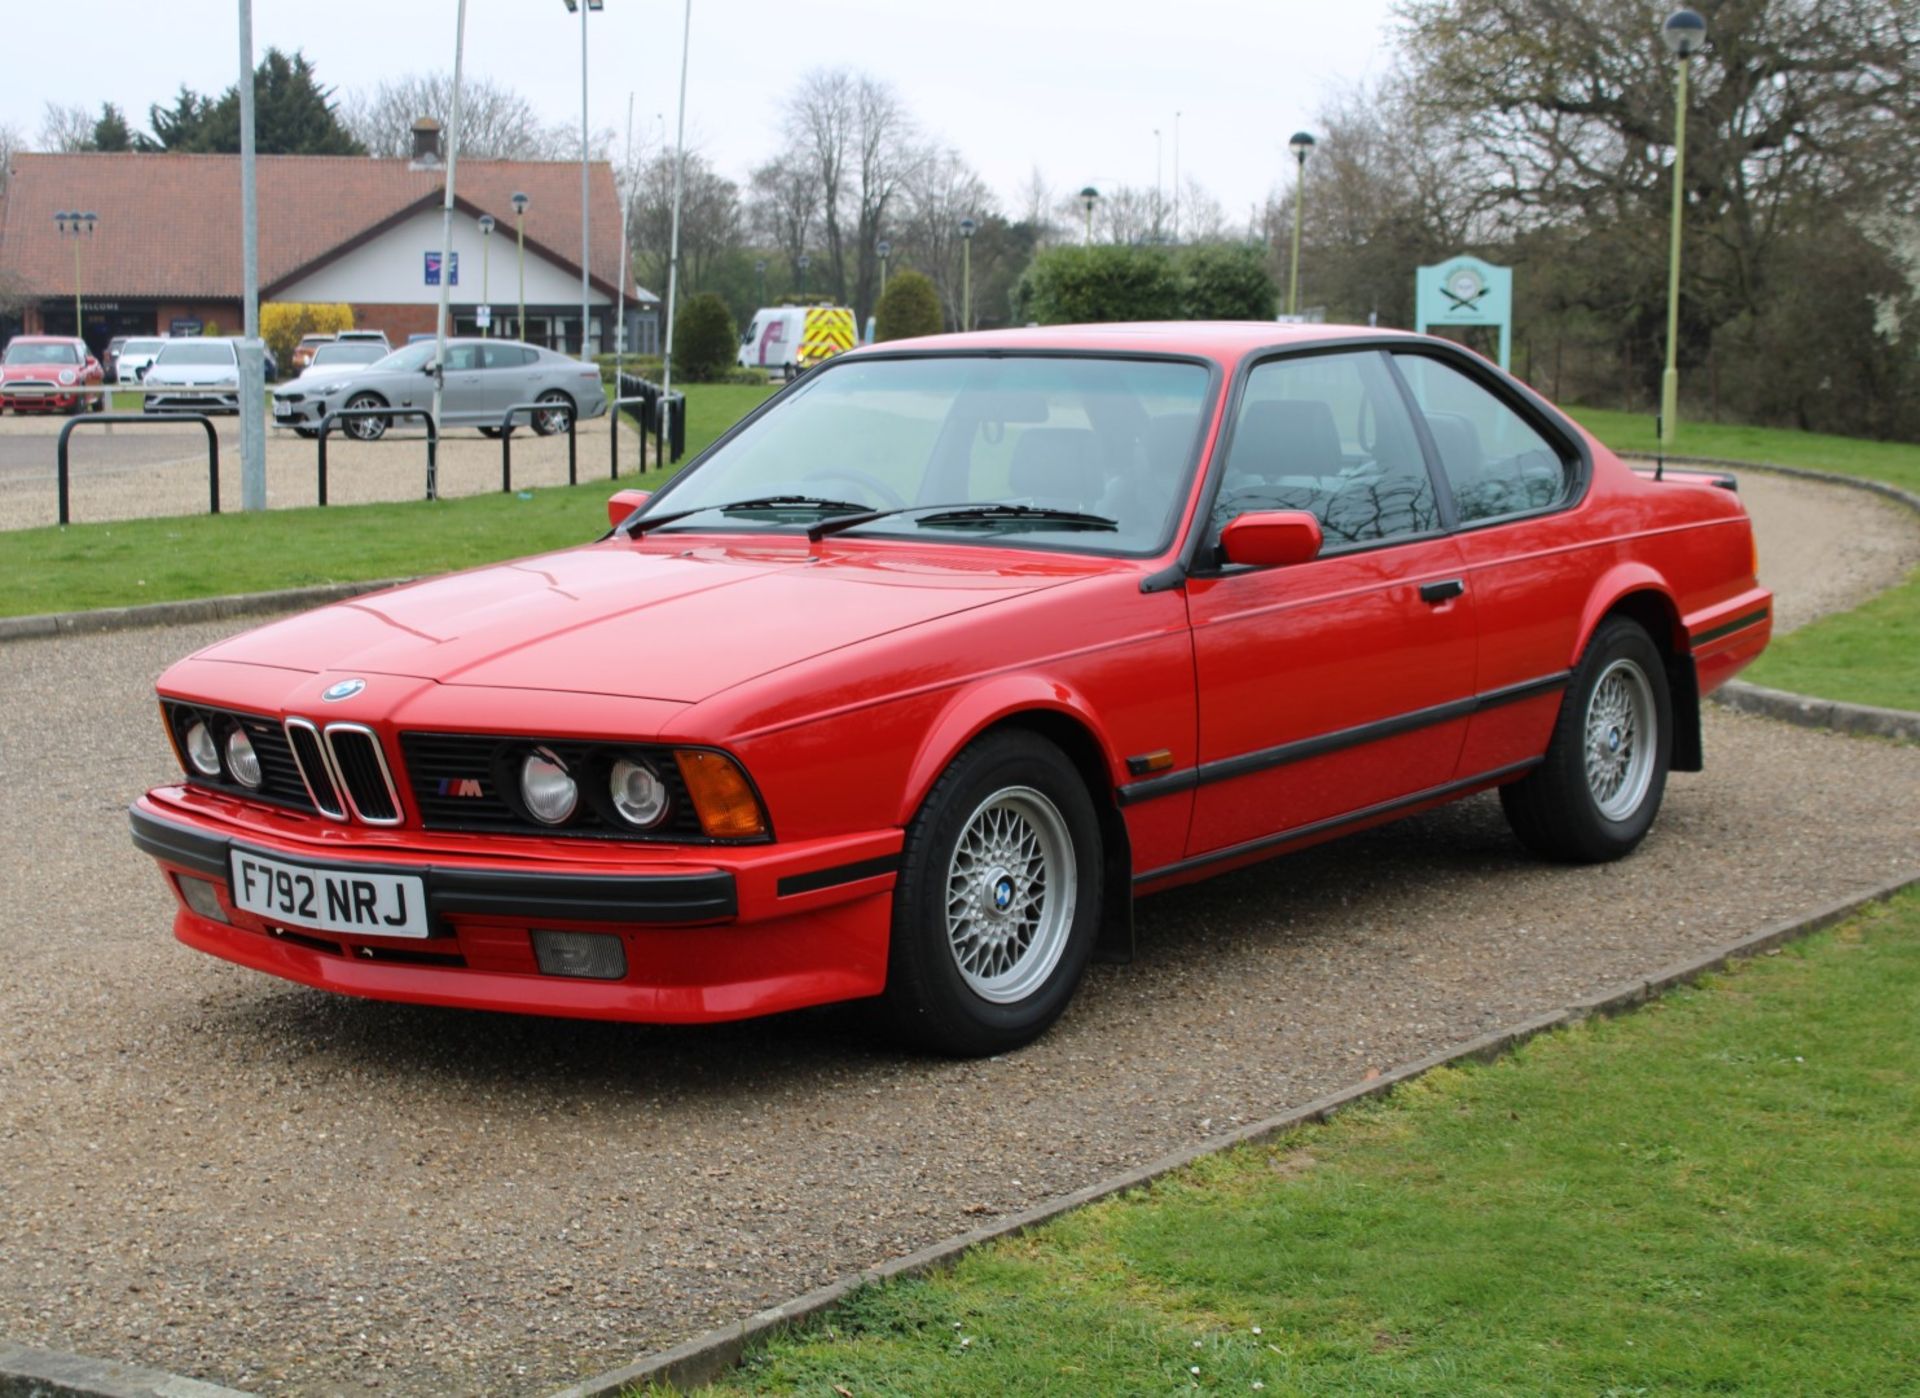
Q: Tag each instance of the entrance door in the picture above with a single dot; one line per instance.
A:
(1341, 685)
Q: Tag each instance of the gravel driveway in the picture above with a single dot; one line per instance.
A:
(228, 1176)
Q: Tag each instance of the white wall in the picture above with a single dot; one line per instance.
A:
(391, 270)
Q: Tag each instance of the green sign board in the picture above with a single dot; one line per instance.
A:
(1466, 291)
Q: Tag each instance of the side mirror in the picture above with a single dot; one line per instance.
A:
(1271, 538)
(623, 503)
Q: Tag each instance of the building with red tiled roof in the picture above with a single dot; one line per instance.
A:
(164, 253)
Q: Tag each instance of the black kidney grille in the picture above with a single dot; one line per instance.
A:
(280, 781)
(305, 742)
(464, 781)
(356, 755)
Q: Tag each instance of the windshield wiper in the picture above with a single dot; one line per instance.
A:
(1019, 514)
(762, 502)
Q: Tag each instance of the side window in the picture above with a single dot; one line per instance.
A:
(506, 356)
(1329, 434)
(462, 357)
(1495, 463)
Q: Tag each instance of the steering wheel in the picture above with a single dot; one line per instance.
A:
(889, 497)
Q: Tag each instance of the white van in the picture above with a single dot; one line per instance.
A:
(792, 338)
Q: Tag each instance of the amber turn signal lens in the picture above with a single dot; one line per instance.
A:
(726, 804)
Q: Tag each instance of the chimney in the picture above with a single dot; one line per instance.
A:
(426, 144)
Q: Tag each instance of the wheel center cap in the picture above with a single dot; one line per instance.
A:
(1000, 890)
(1613, 740)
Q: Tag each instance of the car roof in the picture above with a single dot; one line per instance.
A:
(44, 340)
(1227, 341)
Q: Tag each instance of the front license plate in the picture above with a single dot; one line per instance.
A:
(330, 900)
(283, 410)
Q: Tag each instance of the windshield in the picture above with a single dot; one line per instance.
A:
(336, 355)
(1064, 438)
(185, 352)
(412, 358)
(41, 354)
(140, 347)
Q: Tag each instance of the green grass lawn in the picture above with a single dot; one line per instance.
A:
(1870, 655)
(1717, 1193)
(1897, 463)
(153, 560)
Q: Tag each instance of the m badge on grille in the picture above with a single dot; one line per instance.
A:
(460, 786)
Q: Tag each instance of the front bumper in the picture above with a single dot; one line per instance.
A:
(303, 412)
(38, 399)
(710, 932)
(192, 400)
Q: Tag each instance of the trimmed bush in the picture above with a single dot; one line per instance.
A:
(284, 323)
(1085, 285)
(704, 340)
(909, 307)
(1221, 281)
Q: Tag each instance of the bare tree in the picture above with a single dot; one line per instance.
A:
(942, 189)
(11, 143)
(785, 206)
(710, 219)
(496, 123)
(66, 128)
(885, 156)
(820, 122)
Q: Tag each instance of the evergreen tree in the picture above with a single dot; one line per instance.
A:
(111, 132)
(180, 127)
(292, 114)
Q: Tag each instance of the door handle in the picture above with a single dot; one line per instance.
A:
(1438, 592)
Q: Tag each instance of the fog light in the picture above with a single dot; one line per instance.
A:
(593, 956)
(242, 760)
(202, 751)
(202, 897)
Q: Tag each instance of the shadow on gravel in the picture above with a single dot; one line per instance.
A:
(1326, 893)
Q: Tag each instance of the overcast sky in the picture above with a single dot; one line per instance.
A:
(1073, 87)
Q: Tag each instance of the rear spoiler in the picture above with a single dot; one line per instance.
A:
(1660, 473)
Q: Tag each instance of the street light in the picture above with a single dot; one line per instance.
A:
(1302, 146)
(760, 271)
(803, 262)
(486, 272)
(520, 202)
(586, 240)
(75, 224)
(1685, 31)
(885, 250)
(967, 228)
(1088, 198)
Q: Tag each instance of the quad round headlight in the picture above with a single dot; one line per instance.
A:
(242, 760)
(547, 788)
(637, 792)
(202, 751)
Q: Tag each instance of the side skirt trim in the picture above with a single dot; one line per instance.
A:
(1335, 823)
(1727, 628)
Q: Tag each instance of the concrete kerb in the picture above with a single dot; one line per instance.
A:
(43, 1373)
(707, 1357)
(1806, 710)
(26, 628)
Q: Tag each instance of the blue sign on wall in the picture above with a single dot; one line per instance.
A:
(433, 269)
(1466, 291)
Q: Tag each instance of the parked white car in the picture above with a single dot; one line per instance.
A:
(194, 374)
(136, 357)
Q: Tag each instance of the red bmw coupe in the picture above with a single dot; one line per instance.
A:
(910, 684)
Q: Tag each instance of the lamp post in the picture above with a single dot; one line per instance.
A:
(967, 227)
(760, 271)
(802, 262)
(520, 202)
(1176, 177)
(883, 249)
(486, 272)
(1088, 198)
(75, 224)
(1159, 148)
(1684, 32)
(586, 239)
(1302, 146)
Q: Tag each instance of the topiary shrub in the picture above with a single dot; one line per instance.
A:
(1085, 285)
(1222, 281)
(704, 340)
(908, 307)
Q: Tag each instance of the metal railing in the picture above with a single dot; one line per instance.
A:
(147, 419)
(613, 436)
(388, 414)
(652, 420)
(506, 440)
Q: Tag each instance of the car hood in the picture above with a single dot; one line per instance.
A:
(677, 624)
(318, 378)
(192, 373)
(50, 372)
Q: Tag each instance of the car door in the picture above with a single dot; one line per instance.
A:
(1332, 688)
(508, 378)
(465, 390)
(1529, 566)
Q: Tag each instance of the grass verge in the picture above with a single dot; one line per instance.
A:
(162, 560)
(1870, 655)
(1896, 463)
(1715, 1193)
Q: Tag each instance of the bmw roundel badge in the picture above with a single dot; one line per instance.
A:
(342, 689)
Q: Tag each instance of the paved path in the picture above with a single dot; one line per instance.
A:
(224, 1175)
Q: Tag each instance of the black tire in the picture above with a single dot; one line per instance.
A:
(492, 432)
(1555, 809)
(307, 432)
(550, 422)
(929, 998)
(365, 429)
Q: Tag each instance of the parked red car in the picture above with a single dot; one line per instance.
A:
(915, 679)
(46, 373)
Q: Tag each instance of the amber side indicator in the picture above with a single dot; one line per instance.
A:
(727, 807)
(1157, 761)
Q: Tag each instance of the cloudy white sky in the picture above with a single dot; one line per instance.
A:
(1075, 88)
